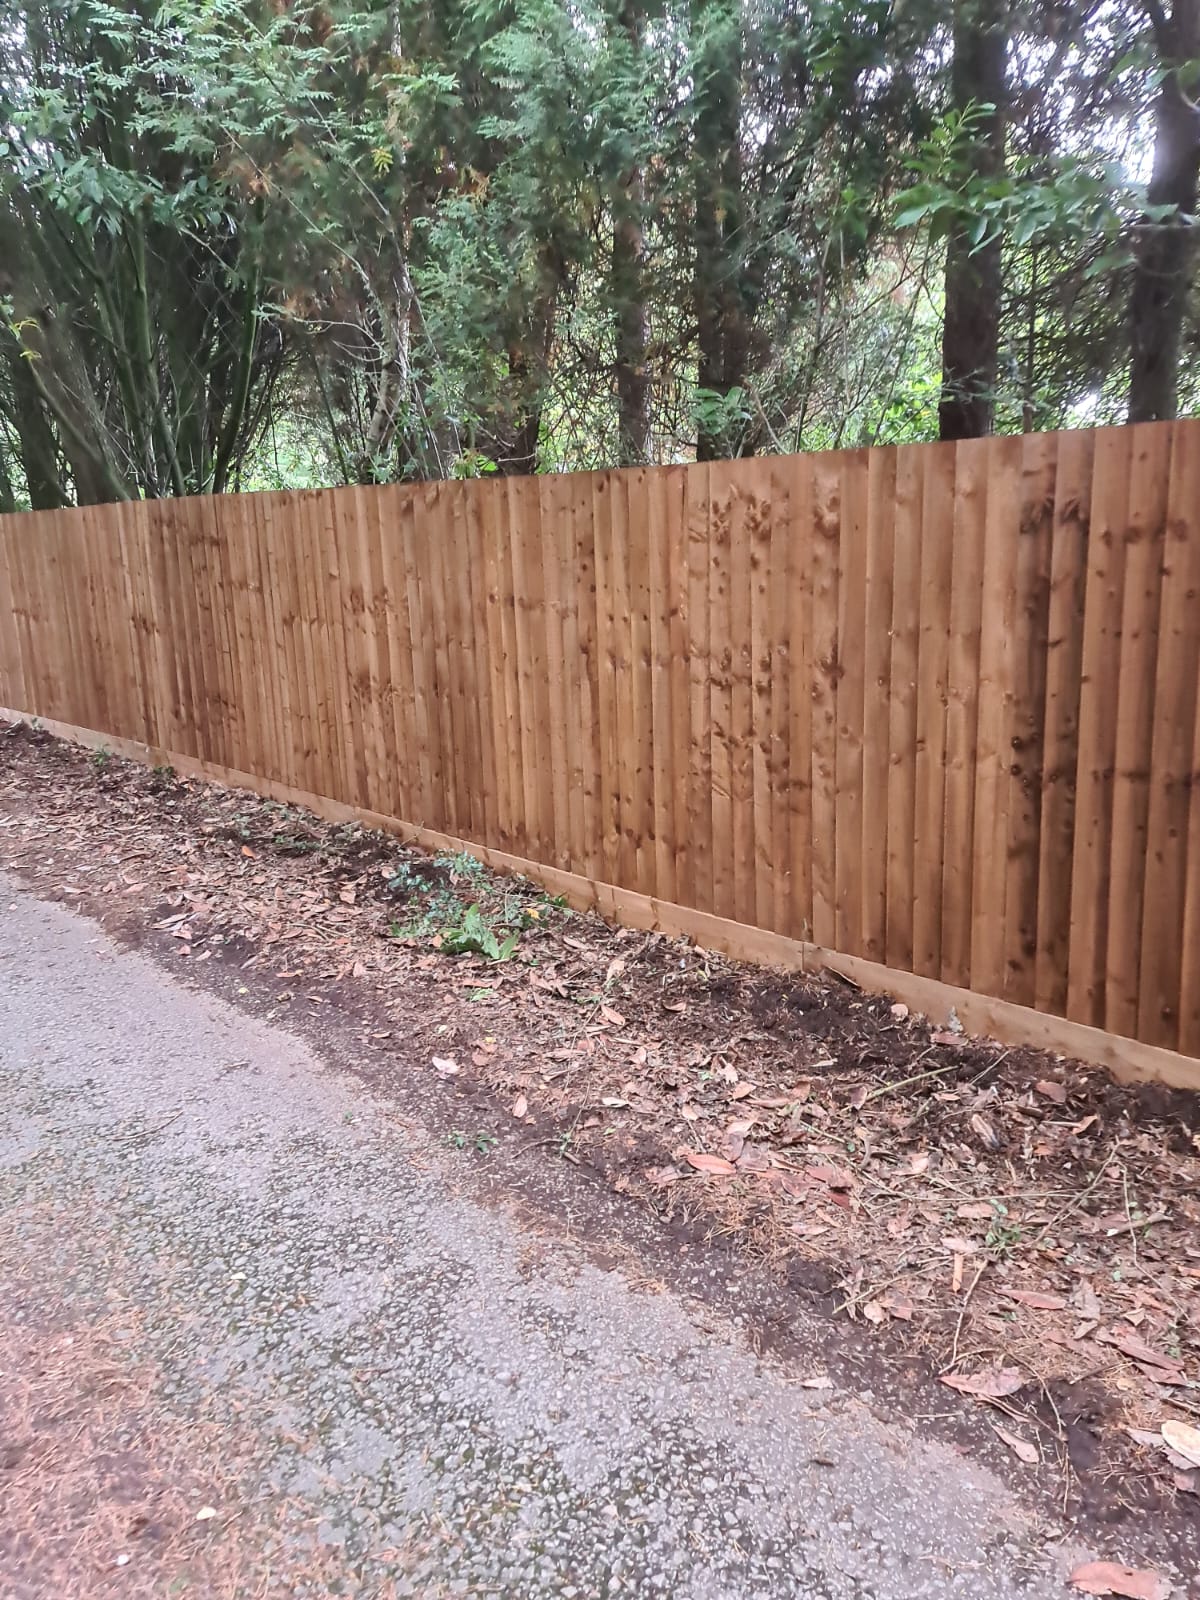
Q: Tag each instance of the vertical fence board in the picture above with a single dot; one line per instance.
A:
(1097, 725)
(608, 662)
(778, 579)
(768, 864)
(1173, 761)
(797, 561)
(933, 669)
(741, 693)
(675, 511)
(587, 704)
(1145, 539)
(825, 659)
(1024, 752)
(1064, 656)
(661, 768)
(962, 703)
(638, 495)
(700, 799)
(720, 656)
(850, 702)
(905, 624)
(880, 581)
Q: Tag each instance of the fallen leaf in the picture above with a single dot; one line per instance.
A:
(660, 1177)
(833, 1177)
(346, 896)
(716, 1165)
(901, 1222)
(897, 1305)
(986, 1132)
(520, 1106)
(1083, 1126)
(753, 1158)
(874, 1312)
(741, 1090)
(1109, 1577)
(919, 1164)
(816, 1383)
(1036, 1299)
(1052, 1091)
(859, 1098)
(1184, 1439)
(445, 1066)
(246, 851)
(1020, 1447)
(977, 1211)
(961, 1247)
(993, 1384)
(1136, 1348)
(613, 1018)
(206, 1513)
(945, 1038)
(1084, 1300)
(614, 970)
(358, 970)
(675, 1005)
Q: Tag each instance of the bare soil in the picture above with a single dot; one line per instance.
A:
(1010, 1221)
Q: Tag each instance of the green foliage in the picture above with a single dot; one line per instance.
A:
(251, 246)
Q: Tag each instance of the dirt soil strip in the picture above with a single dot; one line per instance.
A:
(1009, 1231)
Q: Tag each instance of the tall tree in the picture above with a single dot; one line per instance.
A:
(1165, 254)
(971, 330)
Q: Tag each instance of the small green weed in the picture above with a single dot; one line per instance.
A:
(482, 1143)
(1002, 1237)
(101, 758)
(476, 935)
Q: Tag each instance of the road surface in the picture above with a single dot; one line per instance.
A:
(435, 1394)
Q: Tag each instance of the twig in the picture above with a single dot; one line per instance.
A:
(1075, 1204)
(907, 1083)
(962, 1310)
(1129, 1212)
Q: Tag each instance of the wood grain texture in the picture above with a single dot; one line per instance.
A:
(932, 710)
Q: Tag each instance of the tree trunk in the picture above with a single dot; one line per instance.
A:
(971, 328)
(722, 343)
(629, 287)
(632, 325)
(1165, 257)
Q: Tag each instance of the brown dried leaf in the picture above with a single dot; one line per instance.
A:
(1052, 1091)
(993, 1384)
(1136, 1348)
(986, 1132)
(1020, 1447)
(1109, 1577)
(741, 1090)
(859, 1098)
(961, 1247)
(900, 1222)
(1036, 1298)
(520, 1106)
(660, 1177)
(1184, 1439)
(614, 970)
(977, 1211)
(832, 1177)
(874, 1312)
(613, 1018)
(675, 1005)
(716, 1165)
(897, 1305)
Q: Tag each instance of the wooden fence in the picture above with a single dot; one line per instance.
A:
(931, 707)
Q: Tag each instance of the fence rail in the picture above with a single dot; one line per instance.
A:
(933, 706)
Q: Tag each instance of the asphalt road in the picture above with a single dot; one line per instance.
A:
(449, 1399)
